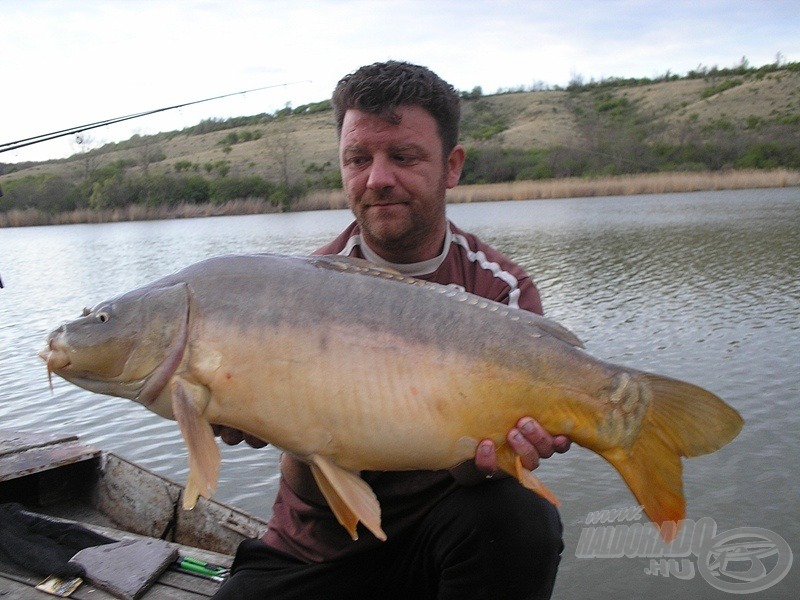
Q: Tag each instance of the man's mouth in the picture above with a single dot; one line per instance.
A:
(384, 203)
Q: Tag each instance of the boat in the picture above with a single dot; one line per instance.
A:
(60, 478)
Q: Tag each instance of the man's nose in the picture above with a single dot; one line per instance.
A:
(381, 174)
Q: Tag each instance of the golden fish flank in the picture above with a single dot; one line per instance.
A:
(315, 355)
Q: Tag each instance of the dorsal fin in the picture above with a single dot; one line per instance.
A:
(553, 328)
(348, 264)
(354, 265)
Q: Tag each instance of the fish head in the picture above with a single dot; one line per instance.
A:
(129, 346)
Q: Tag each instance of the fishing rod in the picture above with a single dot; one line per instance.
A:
(79, 128)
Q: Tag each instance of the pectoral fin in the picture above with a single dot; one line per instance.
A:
(511, 463)
(350, 497)
(204, 456)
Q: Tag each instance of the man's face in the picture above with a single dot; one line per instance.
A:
(395, 178)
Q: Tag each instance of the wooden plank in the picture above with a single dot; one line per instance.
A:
(189, 585)
(13, 572)
(199, 586)
(17, 441)
(21, 587)
(172, 585)
(134, 496)
(30, 460)
(25, 583)
(209, 556)
(14, 590)
(148, 504)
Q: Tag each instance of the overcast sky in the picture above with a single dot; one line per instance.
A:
(70, 62)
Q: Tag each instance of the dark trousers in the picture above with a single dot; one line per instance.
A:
(496, 540)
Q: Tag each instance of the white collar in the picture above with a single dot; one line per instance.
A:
(426, 267)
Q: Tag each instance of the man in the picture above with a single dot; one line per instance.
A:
(462, 533)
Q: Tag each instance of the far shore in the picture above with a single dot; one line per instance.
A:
(572, 187)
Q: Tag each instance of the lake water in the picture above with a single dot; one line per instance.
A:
(704, 287)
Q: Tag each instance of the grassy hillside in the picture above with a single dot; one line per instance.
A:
(710, 120)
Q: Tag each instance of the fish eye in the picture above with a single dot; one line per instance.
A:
(85, 312)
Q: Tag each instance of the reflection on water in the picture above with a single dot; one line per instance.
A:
(701, 286)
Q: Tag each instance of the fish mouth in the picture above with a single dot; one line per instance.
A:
(56, 357)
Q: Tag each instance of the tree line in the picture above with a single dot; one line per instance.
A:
(115, 186)
(615, 136)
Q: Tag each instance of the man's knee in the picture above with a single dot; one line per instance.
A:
(504, 510)
(504, 533)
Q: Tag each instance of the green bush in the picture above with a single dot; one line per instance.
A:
(233, 188)
(185, 165)
(494, 165)
(49, 193)
(482, 121)
(115, 192)
(229, 139)
(720, 87)
(193, 189)
(771, 155)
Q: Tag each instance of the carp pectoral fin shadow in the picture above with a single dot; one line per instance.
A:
(511, 463)
(349, 497)
(204, 455)
(682, 420)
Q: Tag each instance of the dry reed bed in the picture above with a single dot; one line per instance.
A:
(137, 212)
(624, 185)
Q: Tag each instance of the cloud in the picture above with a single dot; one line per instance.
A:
(70, 63)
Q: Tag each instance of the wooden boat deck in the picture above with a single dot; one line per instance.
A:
(60, 477)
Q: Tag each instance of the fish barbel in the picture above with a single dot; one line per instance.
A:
(350, 367)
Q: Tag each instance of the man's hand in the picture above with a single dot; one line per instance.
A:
(232, 436)
(529, 440)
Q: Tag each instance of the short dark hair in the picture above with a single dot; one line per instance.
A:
(381, 88)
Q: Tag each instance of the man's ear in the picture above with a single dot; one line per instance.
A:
(455, 161)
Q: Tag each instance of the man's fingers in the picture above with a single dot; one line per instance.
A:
(253, 441)
(532, 442)
(529, 440)
(561, 443)
(232, 436)
(524, 448)
(536, 435)
(485, 458)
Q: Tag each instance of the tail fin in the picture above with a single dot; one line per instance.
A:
(682, 420)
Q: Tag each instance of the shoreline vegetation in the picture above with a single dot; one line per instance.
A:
(710, 129)
(542, 189)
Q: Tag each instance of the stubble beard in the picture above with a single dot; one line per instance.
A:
(400, 235)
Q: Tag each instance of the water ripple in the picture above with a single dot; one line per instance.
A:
(703, 287)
